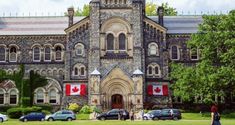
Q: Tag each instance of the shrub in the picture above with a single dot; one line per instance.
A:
(31, 109)
(18, 112)
(46, 112)
(89, 109)
(26, 101)
(86, 109)
(74, 107)
(95, 109)
(47, 107)
(226, 111)
(14, 113)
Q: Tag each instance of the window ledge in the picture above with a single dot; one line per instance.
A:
(120, 55)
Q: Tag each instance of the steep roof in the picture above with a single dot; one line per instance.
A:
(34, 25)
(57, 25)
(180, 24)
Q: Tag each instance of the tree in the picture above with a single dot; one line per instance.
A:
(18, 78)
(151, 9)
(26, 86)
(33, 82)
(214, 75)
(169, 11)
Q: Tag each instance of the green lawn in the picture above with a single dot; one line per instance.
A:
(188, 119)
(205, 116)
(85, 122)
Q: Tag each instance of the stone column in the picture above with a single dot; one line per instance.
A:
(138, 89)
(137, 34)
(94, 51)
(94, 89)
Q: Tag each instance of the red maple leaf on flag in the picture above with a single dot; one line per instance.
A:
(75, 89)
(157, 90)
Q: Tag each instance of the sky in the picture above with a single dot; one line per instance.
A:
(58, 7)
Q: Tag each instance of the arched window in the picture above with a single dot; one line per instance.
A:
(194, 54)
(52, 96)
(1, 97)
(150, 72)
(55, 72)
(61, 72)
(153, 49)
(75, 71)
(36, 54)
(58, 53)
(40, 96)
(2, 54)
(174, 53)
(47, 54)
(154, 70)
(13, 97)
(79, 70)
(110, 42)
(122, 41)
(82, 72)
(13, 54)
(79, 49)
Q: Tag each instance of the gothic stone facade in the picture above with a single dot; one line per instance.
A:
(116, 51)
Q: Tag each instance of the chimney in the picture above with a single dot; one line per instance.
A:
(160, 12)
(70, 15)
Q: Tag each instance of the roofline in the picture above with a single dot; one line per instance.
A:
(156, 22)
(76, 23)
(38, 35)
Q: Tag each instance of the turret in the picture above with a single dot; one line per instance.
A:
(70, 15)
(160, 12)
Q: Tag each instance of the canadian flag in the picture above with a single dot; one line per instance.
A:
(158, 90)
(75, 89)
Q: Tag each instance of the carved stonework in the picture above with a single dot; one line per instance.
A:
(116, 69)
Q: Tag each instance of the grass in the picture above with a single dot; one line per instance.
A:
(188, 119)
(83, 116)
(86, 122)
(205, 116)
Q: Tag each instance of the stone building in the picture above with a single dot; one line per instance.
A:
(121, 55)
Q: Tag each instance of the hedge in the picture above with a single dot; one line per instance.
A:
(18, 112)
(47, 107)
(14, 113)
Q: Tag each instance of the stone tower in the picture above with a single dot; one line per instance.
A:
(116, 51)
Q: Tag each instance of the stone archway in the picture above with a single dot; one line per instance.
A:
(117, 83)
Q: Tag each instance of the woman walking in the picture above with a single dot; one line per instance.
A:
(215, 116)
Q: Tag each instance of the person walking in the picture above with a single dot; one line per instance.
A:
(119, 115)
(132, 114)
(172, 113)
(124, 114)
(215, 116)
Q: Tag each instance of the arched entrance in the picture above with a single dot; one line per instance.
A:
(117, 101)
(117, 90)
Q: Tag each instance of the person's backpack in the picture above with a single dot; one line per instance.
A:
(216, 116)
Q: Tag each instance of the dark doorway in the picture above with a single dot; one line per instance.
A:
(117, 101)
